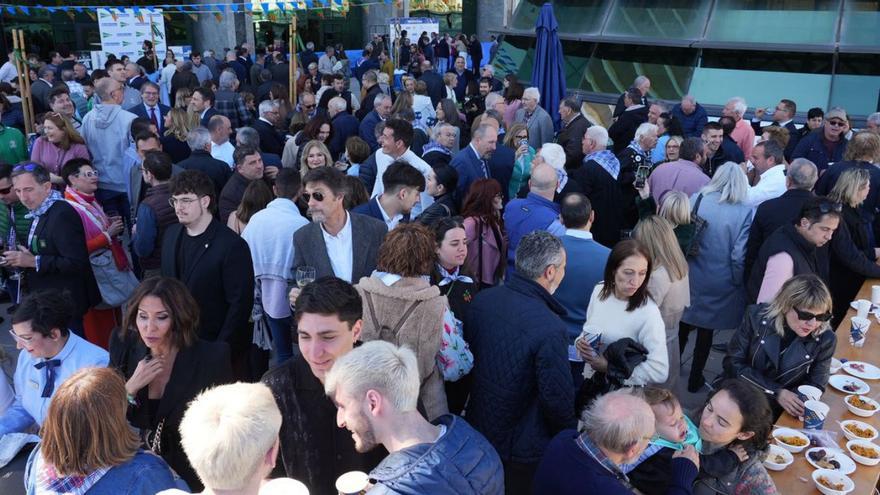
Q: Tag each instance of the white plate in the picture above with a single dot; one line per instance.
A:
(847, 465)
(840, 381)
(869, 372)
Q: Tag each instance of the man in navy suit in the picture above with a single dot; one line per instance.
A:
(471, 162)
(402, 183)
(783, 116)
(202, 102)
(381, 111)
(585, 268)
(151, 108)
(434, 82)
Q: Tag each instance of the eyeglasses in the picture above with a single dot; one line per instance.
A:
(18, 338)
(182, 201)
(836, 123)
(88, 174)
(309, 106)
(319, 196)
(828, 207)
(807, 316)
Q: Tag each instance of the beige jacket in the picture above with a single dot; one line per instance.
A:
(421, 331)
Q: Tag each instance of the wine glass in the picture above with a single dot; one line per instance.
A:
(304, 276)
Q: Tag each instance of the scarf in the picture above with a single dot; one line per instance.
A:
(49, 482)
(449, 278)
(634, 145)
(95, 223)
(45, 205)
(562, 177)
(606, 160)
(435, 146)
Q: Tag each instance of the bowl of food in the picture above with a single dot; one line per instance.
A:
(835, 365)
(858, 430)
(832, 482)
(791, 440)
(861, 405)
(864, 452)
(778, 458)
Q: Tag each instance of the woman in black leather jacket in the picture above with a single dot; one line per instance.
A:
(786, 343)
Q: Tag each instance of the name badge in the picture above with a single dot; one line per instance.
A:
(34, 385)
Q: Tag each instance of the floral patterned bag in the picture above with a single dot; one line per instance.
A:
(454, 359)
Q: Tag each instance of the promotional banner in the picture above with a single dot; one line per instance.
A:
(413, 27)
(123, 31)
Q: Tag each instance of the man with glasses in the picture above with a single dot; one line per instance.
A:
(53, 255)
(151, 108)
(337, 243)
(14, 225)
(50, 354)
(791, 249)
(106, 132)
(827, 144)
(782, 116)
(215, 265)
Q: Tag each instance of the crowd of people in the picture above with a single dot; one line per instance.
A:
(427, 282)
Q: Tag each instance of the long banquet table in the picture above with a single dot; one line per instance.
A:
(796, 478)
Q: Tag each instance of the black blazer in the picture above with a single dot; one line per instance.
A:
(221, 280)
(217, 170)
(372, 209)
(60, 242)
(436, 87)
(270, 138)
(207, 118)
(196, 368)
(367, 235)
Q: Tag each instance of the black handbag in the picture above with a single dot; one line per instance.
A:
(700, 224)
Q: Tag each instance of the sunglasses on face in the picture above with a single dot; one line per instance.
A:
(807, 316)
(319, 196)
(835, 123)
(6, 190)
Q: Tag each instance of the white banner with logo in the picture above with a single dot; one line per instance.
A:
(123, 31)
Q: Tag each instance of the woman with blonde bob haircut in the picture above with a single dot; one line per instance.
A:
(165, 365)
(314, 154)
(785, 343)
(87, 443)
(669, 285)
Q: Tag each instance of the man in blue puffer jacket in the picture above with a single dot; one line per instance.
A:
(376, 390)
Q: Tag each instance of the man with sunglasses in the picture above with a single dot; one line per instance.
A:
(14, 224)
(792, 249)
(826, 144)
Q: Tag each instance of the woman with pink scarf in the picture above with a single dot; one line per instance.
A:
(102, 232)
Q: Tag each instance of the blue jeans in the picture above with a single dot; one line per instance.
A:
(282, 343)
(442, 65)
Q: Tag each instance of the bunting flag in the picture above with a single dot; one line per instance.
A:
(71, 14)
(218, 16)
(284, 7)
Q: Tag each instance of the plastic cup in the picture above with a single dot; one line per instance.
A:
(858, 330)
(815, 413)
(808, 392)
(875, 295)
(352, 483)
(283, 486)
(863, 307)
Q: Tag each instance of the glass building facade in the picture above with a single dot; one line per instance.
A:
(819, 53)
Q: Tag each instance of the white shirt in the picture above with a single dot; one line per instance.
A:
(159, 119)
(391, 222)
(223, 152)
(340, 250)
(8, 72)
(771, 185)
(580, 234)
(382, 163)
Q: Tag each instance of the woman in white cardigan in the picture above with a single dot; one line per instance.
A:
(669, 286)
(621, 307)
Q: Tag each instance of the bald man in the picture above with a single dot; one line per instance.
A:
(536, 211)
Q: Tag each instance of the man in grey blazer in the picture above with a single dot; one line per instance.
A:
(536, 119)
(337, 243)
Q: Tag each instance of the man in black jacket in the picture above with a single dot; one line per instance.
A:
(783, 116)
(574, 125)
(313, 448)
(248, 167)
(199, 141)
(434, 82)
(270, 139)
(54, 256)
(215, 264)
(624, 128)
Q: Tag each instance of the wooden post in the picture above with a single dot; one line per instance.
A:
(292, 66)
(24, 82)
